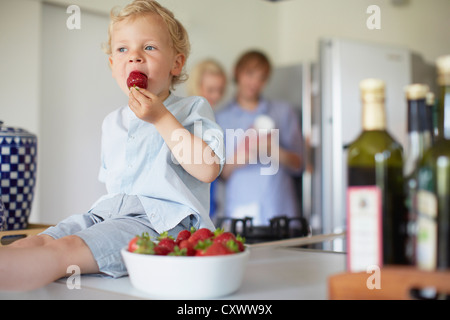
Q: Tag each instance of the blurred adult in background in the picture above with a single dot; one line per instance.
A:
(251, 191)
(208, 79)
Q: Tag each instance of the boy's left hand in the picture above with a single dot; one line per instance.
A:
(146, 105)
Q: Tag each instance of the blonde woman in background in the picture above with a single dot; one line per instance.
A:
(209, 80)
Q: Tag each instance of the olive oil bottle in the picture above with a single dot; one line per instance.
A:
(433, 196)
(376, 215)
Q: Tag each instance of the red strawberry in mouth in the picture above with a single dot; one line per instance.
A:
(137, 79)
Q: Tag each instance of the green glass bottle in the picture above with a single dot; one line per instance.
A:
(433, 196)
(376, 214)
(429, 123)
(418, 141)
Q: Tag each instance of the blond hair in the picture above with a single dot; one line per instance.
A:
(208, 66)
(178, 34)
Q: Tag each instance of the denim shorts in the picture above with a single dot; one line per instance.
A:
(108, 227)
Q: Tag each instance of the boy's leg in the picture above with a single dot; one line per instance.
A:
(30, 267)
(31, 241)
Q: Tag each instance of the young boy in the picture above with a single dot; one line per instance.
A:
(150, 160)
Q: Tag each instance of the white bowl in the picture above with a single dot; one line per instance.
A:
(175, 277)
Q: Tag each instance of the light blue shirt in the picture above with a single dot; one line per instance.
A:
(137, 161)
(248, 191)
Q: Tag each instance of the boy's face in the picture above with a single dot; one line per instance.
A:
(143, 43)
(251, 82)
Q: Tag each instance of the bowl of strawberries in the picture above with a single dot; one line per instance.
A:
(197, 264)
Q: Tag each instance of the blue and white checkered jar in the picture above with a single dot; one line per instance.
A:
(2, 216)
(18, 155)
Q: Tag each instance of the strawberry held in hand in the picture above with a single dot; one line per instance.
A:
(137, 79)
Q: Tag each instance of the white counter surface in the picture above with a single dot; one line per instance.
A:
(275, 271)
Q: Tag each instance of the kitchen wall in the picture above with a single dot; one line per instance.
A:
(287, 30)
(422, 26)
(20, 68)
(20, 63)
(77, 92)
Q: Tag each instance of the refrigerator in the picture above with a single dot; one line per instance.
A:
(326, 94)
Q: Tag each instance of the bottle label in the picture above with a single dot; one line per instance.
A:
(364, 228)
(426, 230)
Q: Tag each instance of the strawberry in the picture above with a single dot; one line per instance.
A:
(137, 79)
(216, 249)
(233, 246)
(184, 235)
(186, 245)
(201, 246)
(166, 241)
(132, 245)
(161, 251)
(200, 234)
(240, 242)
(141, 244)
(224, 237)
(178, 252)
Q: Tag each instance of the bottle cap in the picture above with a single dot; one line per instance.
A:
(372, 90)
(430, 98)
(443, 64)
(443, 69)
(416, 91)
(373, 115)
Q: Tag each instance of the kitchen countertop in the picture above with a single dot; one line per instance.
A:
(279, 270)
